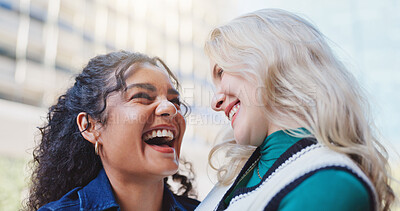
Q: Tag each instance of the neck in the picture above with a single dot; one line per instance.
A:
(133, 193)
(289, 124)
(272, 128)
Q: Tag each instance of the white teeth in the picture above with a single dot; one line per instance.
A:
(159, 133)
(233, 111)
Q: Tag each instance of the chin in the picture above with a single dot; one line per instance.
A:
(169, 169)
(169, 172)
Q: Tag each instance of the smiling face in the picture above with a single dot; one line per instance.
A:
(237, 98)
(145, 125)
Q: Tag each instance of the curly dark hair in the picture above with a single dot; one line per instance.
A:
(64, 160)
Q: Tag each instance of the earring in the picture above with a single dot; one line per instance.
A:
(96, 148)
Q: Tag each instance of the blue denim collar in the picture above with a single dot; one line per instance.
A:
(169, 201)
(98, 195)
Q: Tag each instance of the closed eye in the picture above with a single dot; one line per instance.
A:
(220, 72)
(142, 95)
(176, 101)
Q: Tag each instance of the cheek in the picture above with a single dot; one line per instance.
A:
(251, 94)
(182, 128)
(123, 125)
(182, 124)
(130, 117)
(135, 117)
(227, 83)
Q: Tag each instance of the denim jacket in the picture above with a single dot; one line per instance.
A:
(98, 195)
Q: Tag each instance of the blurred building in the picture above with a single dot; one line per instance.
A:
(44, 43)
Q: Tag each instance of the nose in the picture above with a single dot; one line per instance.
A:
(217, 101)
(166, 109)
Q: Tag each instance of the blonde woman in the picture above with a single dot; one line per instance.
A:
(303, 136)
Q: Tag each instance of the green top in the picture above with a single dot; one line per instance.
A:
(330, 189)
(271, 149)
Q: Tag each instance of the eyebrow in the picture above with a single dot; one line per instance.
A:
(147, 86)
(150, 87)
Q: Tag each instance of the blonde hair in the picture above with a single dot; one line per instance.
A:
(301, 81)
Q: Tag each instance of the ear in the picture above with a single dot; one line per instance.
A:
(87, 127)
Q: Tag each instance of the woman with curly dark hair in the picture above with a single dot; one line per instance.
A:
(112, 140)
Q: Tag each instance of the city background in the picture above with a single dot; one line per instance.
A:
(44, 43)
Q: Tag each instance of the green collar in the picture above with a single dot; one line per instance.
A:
(271, 149)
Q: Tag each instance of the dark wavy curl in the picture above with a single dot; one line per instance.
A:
(64, 160)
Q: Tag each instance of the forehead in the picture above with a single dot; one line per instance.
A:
(147, 73)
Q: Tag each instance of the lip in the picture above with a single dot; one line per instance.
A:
(229, 107)
(163, 149)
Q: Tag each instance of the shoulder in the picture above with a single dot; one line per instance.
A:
(186, 202)
(329, 188)
(172, 201)
(69, 201)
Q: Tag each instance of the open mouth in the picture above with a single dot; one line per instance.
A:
(233, 111)
(163, 138)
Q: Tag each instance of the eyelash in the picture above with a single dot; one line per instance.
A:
(219, 73)
(142, 95)
(175, 101)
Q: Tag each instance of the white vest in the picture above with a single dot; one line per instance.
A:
(309, 159)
